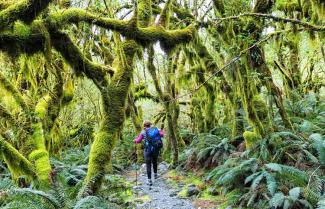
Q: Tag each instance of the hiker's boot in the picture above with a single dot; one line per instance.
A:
(156, 176)
(149, 182)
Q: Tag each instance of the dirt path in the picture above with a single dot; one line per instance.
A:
(158, 196)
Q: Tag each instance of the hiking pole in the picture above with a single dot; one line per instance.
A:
(136, 164)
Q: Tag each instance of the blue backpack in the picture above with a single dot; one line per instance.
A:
(153, 142)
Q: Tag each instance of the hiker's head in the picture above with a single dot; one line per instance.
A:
(146, 124)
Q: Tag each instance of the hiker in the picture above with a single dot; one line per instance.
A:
(152, 145)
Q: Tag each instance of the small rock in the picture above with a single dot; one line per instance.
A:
(213, 191)
(143, 168)
(173, 194)
(181, 184)
(228, 207)
(138, 188)
(192, 190)
(139, 201)
(163, 166)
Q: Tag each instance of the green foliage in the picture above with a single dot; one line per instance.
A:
(207, 150)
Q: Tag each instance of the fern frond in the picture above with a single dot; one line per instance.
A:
(277, 200)
(26, 191)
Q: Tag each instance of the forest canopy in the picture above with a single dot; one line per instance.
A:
(239, 85)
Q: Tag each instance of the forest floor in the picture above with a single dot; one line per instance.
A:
(165, 193)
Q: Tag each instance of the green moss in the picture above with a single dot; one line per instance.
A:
(219, 6)
(114, 98)
(14, 92)
(42, 106)
(287, 5)
(21, 29)
(68, 92)
(251, 139)
(16, 162)
(80, 64)
(42, 165)
(99, 157)
(165, 14)
(143, 35)
(73, 15)
(40, 155)
(260, 107)
(144, 12)
(24, 10)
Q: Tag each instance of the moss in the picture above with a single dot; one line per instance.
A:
(287, 5)
(16, 162)
(25, 10)
(5, 114)
(144, 12)
(262, 6)
(113, 104)
(73, 15)
(42, 166)
(99, 157)
(23, 38)
(260, 107)
(40, 155)
(143, 35)
(219, 6)
(14, 92)
(165, 14)
(73, 55)
(68, 92)
(251, 139)
(42, 106)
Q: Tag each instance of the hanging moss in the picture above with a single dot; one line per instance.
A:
(165, 14)
(219, 6)
(14, 92)
(262, 6)
(24, 10)
(68, 92)
(144, 12)
(260, 107)
(287, 5)
(17, 163)
(5, 114)
(23, 38)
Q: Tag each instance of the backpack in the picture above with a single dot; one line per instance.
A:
(153, 142)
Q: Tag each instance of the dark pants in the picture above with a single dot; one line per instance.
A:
(151, 158)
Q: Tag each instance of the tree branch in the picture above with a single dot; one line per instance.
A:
(267, 16)
(77, 59)
(14, 92)
(126, 28)
(25, 10)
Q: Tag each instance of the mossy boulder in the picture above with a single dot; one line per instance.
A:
(251, 139)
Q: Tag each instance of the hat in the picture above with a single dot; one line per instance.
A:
(146, 123)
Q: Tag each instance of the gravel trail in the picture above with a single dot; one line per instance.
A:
(160, 195)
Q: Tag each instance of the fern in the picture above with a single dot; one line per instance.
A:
(319, 145)
(31, 192)
(321, 203)
(291, 174)
(277, 200)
